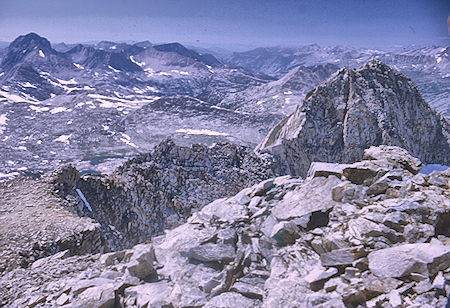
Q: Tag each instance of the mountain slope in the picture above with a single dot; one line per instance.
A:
(280, 97)
(429, 67)
(353, 110)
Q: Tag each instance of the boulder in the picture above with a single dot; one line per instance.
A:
(402, 260)
(285, 233)
(317, 169)
(343, 256)
(210, 252)
(150, 294)
(395, 155)
(314, 195)
(231, 299)
(140, 264)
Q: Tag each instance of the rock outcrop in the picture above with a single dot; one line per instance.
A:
(353, 110)
(276, 244)
(35, 224)
(159, 190)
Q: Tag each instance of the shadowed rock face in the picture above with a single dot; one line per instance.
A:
(159, 190)
(353, 110)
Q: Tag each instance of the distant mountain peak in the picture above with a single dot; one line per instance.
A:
(30, 41)
(207, 59)
(24, 45)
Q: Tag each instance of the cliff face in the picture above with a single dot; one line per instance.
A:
(159, 190)
(353, 110)
(370, 234)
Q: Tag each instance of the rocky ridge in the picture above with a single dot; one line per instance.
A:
(158, 190)
(353, 110)
(373, 233)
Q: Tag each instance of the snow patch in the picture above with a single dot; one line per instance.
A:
(86, 203)
(71, 81)
(180, 72)
(39, 109)
(58, 110)
(163, 74)
(113, 69)
(200, 132)
(63, 139)
(41, 54)
(28, 85)
(3, 120)
(127, 140)
(79, 66)
(8, 175)
(136, 62)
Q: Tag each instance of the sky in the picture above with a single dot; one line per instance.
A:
(231, 23)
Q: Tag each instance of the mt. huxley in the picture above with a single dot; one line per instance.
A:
(353, 110)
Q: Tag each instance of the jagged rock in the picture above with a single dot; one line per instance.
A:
(212, 253)
(325, 169)
(36, 224)
(319, 276)
(231, 299)
(140, 264)
(395, 299)
(400, 261)
(248, 290)
(353, 110)
(374, 286)
(313, 196)
(160, 189)
(285, 233)
(150, 294)
(343, 256)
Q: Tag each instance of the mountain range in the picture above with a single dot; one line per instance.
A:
(95, 105)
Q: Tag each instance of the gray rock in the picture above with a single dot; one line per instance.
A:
(314, 195)
(344, 256)
(318, 276)
(317, 169)
(285, 233)
(402, 260)
(231, 299)
(210, 252)
(150, 294)
(140, 264)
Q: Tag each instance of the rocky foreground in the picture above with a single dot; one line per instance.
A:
(373, 233)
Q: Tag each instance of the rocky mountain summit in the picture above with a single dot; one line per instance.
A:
(353, 110)
(374, 233)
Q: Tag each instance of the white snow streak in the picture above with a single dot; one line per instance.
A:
(200, 132)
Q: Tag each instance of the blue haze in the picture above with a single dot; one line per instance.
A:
(232, 23)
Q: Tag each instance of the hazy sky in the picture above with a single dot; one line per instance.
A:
(228, 23)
